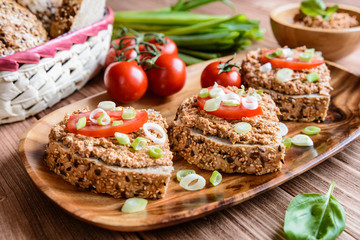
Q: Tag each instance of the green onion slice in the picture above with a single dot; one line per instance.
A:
(215, 178)
(139, 143)
(302, 140)
(107, 105)
(310, 51)
(128, 113)
(81, 123)
(259, 91)
(216, 92)
(186, 181)
(284, 75)
(118, 109)
(241, 91)
(117, 123)
(122, 138)
(312, 77)
(231, 102)
(104, 119)
(155, 152)
(242, 127)
(182, 173)
(283, 129)
(133, 205)
(204, 93)
(277, 53)
(311, 130)
(287, 142)
(305, 57)
(212, 104)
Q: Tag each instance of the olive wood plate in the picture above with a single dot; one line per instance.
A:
(342, 125)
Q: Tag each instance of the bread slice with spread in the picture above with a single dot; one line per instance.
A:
(229, 130)
(298, 81)
(123, 152)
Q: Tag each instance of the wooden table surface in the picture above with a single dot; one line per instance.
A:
(25, 213)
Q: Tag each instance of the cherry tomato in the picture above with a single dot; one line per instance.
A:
(95, 130)
(113, 54)
(126, 41)
(168, 48)
(229, 112)
(228, 77)
(294, 64)
(169, 78)
(125, 81)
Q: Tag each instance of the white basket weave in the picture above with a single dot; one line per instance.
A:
(34, 87)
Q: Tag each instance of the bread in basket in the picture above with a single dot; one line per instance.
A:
(32, 80)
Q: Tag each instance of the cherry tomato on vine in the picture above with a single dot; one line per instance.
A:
(169, 47)
(125, 81)
(114, 54)
(223, 73)
(126, 41)
(169, 78)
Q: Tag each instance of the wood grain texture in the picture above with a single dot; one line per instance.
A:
(25, 213)
(342, 125)
(324, 40)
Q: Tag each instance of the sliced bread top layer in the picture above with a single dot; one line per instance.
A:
(265, 127)
(108, 150)
(299, 85)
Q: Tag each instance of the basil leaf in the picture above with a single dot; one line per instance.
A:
(314, 216)
(330, 11)
(313, 8)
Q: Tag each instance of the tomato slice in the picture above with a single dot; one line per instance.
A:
(94, 130)
(229, 112)
(294, 64)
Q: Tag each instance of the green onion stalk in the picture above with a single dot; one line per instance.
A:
(198, 36)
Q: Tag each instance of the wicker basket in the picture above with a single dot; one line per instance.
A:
(37, 78)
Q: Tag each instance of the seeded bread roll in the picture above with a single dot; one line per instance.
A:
(75, 14)
(44, 10)
(19, 28)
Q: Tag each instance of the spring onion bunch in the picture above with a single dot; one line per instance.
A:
(198, 36)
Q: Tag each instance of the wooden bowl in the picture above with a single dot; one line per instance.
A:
(333, 43)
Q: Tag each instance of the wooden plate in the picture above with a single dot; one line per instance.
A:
(341, 127)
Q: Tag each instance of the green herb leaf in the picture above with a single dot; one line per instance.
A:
(314, 216)
(314, 8)
(330, 11)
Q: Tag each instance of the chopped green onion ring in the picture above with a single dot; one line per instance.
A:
(188, 179)
(242, 127)
(155, 152)
(311, 130)
(81, 123)
(128, 113)
(259, 91)
(305, 57)
(212, 104)
(118, 109)
(182, 173)
(215, 178)
(302, 140)
(132, 205)
(117, 123)
(104, 119)
(287, 142)
(312, 77)
(122, 138)
(241, 91)
(231, 102)
(284, 75)
(139, 143)
(107, 105)
(216, 92)
(204, 93)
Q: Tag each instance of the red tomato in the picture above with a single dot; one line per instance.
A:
(125, 81)
(210, 75)
(294, 64)
(169, 78)
(168, 48)
(113, 54)
(95, 130)
(126, 41)
(229, 112)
